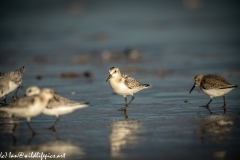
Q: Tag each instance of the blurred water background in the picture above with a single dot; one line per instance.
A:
(70, 45)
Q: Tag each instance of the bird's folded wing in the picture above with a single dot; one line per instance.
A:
(214, 82)
(131, 82)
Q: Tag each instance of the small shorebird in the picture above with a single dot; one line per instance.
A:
(214, 86)
(58, 105)
(9, 82)
(124, 85)
(28, 107)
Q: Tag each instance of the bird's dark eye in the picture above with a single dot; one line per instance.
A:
(115, 71)
(30, 90)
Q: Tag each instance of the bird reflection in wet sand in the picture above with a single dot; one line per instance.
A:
(215, 128)
(28, 107)
(14, 138)
(214, 86)
(123, 135)
(6, 126)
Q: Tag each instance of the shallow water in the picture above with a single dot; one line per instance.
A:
(163, 122)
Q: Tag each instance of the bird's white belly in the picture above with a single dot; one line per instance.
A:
(121, 88)
(12, 86)
(59, 110)
(216, 92)
(33, 111)
(30, 111)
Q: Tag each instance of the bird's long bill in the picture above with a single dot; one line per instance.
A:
(192, 88)
(108, 77)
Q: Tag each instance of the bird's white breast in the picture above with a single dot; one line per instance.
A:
(12, 86)
(119, 87)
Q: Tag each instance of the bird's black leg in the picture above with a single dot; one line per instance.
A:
(125, 98)
(209, 102)
(125, 114)
(125, 104)
(208, 109)
(224, 100)
(14, 98)
(207, 106)
(130, 101)
(53, 128)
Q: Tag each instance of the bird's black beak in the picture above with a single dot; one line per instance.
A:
(192, 88)
(110, 76)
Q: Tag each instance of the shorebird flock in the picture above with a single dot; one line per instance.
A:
(37, 101)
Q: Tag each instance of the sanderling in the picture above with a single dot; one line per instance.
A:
(124, 85)
(213, 86)
(9, 82)
(29, 107)
(58, 105)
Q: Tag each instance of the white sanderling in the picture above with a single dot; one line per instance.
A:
(28, 107)
(124, 85)
(214, 86)
(9, 82)
(58, 105)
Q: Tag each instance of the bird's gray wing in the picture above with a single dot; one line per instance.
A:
(22, 102)
(59, 100)
(213, 81)
(16, 77)
(131, 82)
